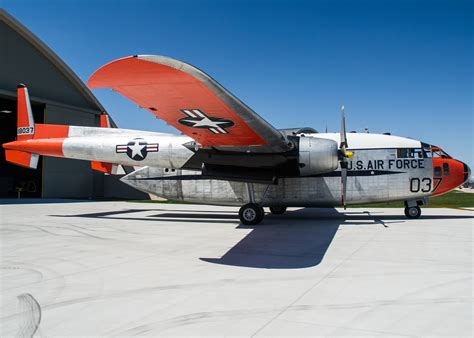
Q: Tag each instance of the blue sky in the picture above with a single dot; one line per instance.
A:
(400, 66)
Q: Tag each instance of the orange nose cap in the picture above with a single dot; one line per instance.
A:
(454, 173)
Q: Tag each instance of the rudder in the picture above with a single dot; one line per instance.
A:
(25, 122)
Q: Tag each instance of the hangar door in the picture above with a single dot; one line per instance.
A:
(16, 180)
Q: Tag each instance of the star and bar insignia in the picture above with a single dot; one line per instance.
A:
(196, 118)
(137, 149)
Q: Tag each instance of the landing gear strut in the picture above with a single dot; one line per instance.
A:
(413, 212)
(251, 214)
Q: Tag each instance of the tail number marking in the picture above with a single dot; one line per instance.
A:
(425, 185)
(25, 131)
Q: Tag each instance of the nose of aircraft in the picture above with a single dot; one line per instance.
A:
(450, 174)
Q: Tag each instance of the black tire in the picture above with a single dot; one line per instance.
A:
(413, 212)
(277, 210)
(251, 214)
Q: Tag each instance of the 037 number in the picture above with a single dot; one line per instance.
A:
(25, 131)
(423, 185)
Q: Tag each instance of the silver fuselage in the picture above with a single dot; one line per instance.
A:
(375, 174)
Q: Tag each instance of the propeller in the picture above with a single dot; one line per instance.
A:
(344, 155)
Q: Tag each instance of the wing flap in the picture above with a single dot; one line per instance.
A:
(190, 101)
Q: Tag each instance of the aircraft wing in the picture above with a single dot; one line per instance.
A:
(191, 101)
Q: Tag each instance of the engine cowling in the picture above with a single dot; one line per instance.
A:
(317, 155)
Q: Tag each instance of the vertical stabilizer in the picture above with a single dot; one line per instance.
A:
(25, 122)
(105, 121)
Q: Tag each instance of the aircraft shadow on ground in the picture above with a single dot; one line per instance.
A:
(301, 238)
(298, 239)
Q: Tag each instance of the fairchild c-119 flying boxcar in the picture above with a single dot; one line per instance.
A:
(229, 155)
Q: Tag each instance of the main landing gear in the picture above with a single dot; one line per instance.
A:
(251, 214)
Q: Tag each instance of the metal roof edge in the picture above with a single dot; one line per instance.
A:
(52, 57)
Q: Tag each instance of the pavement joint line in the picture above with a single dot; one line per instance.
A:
(313, 287)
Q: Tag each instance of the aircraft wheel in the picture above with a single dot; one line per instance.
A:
(251, 214)
(277, 210)
(413, 212)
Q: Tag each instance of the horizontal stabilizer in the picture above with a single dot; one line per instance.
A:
(107, 168)
(22, 158)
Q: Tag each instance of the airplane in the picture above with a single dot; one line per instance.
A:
(229, 155)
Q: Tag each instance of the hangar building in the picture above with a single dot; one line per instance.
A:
(58, 96)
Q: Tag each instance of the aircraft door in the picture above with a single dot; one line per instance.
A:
(172, 188)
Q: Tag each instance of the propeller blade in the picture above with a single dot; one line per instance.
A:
(343, 186)
(343, 133)
(344, 156)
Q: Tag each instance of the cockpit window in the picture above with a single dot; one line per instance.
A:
(437, 171)
(437, 152)
(440, 153)
(445, 154)
(426, 150)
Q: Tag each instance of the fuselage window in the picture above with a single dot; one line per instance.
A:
(446, 169)
(437, 171)
(418, 153)
(409, 153)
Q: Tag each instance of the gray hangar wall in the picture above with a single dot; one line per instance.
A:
(58, 97)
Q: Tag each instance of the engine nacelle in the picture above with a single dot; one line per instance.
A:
(317, 156)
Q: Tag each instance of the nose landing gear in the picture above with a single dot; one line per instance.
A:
(412, 207)
(413, 212)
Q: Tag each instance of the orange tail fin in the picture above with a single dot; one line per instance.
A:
(25, 131)
(25, 123)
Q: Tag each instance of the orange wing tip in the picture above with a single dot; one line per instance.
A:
(107, 168)
(99, 79)
(22, 158)
(129, 69)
